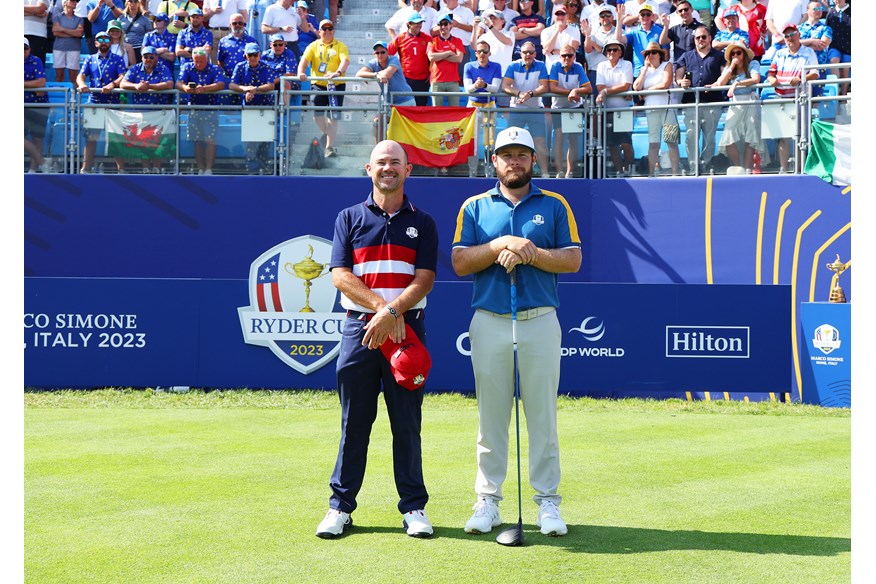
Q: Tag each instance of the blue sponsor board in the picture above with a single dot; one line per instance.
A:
(693, 231)
(826, 334)
(165, 332)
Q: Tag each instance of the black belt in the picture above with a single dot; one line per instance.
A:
(219, 28)
(366, 316)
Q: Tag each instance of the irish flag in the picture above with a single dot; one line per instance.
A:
(141, 135)
(434, 136)
(830, 152)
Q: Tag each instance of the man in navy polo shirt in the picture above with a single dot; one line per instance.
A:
(516, 226)
(384, 259)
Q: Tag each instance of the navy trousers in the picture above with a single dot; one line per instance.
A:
(362, 373)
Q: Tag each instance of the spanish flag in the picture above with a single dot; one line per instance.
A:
(434, 136)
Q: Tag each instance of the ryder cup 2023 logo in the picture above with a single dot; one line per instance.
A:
(826, 339)
(291, 302)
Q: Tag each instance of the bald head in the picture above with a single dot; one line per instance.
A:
(388, 168)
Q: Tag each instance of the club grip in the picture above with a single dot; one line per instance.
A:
(513, 276)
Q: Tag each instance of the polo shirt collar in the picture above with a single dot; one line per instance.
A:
(533, 191)
(406, 204)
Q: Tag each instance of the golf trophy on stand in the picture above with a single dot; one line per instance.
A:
(837, 294)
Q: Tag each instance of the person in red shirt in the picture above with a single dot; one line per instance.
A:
(445, 53)
(411, 48)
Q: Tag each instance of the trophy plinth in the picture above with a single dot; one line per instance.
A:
(307, 270)
(837, 294)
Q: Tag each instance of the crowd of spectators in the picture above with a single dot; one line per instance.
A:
(523, 54)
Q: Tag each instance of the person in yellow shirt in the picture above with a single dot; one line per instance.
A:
(328, 59)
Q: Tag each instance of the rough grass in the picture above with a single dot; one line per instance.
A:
(146, 486)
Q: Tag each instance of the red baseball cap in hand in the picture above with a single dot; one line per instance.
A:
(410, 360)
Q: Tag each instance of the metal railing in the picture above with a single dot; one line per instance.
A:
(69, 115)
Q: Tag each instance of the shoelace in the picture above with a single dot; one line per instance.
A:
(483, 509)
(550, 510)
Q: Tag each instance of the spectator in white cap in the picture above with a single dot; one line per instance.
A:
(460, 27)
(731, 33)
(398, 21)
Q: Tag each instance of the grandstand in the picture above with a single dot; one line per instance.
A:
(360, 25)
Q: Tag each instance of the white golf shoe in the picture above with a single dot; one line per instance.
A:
(334, 524)
(417, 524)
(485, 518)
(549, 520)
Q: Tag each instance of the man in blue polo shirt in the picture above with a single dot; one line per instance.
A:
(526, 80)
(103, 71)
(384, 259)
(638, 37)
(196, 35)
(516, 226)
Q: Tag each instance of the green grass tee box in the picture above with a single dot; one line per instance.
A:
(141, 486)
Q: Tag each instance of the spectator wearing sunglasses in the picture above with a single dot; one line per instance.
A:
(386, 69)
(445, 53)
(232, 46)
(596, 38)
(615, 76)
(569, 80)
(283, 61)
(557, 36)
(681, 35)
(701, 67)
(526, 28)
(526, 80)
(219, 15)
(638, 37)
(328, 59)
(460, 27)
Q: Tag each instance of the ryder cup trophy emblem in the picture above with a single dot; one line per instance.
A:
(307, 270)
(305, 339)
(837, 294)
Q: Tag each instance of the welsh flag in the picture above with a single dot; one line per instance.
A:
(830, 152)
(141, 135)
(434, 136)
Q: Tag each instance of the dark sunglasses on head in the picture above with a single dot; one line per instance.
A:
(645, 14)
(482, 51)
(612, 50)
(443, 23)
(649, 53)
(527, 52)
(379, 52)
(702, 37)
(279, 44)
(683, 10)
(567, 56)
(788, 35)
(238, 24)
(148, 56)
(734, 53)
(327, 28)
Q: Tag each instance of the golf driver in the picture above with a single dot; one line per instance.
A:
(514, 534)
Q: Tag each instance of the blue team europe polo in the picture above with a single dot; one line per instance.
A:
(159, 74)
(261, 74)
(34, 69)
(383, 251)
(543, 217)
(100, 72)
